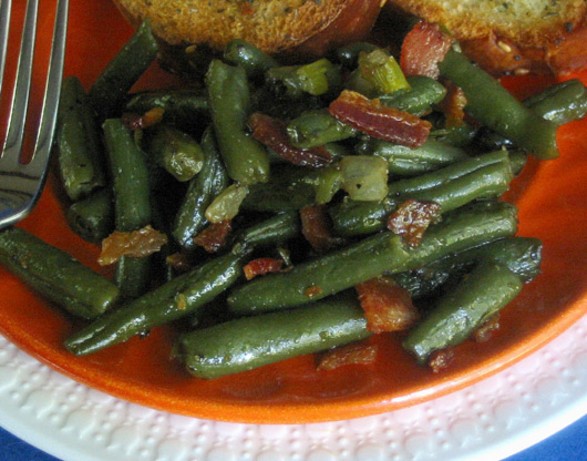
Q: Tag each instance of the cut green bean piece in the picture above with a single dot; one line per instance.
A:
(93, 217)
(423, 93)
(495, 107)
(560, 103)
(250, 342)
(254, 61)
(79, 150)
(202, 189)
(132, 201)
(56, 275)
(370, 257)
(246, 160)
(181, 106)
(109, 91)
(480, 295)
(173, 300)
(316, 128)
(316, 78)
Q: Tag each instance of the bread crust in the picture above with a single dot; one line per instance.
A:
(272, 25)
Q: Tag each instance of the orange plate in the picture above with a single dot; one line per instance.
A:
(550, 195)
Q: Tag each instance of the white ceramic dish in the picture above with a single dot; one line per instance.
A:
(490, 420)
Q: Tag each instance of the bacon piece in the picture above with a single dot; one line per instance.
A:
(262, 266)
(272, 133)
(376, 120)
(485, 332)
(411, 219)
(441, 359)
(351, 354)
(214, 237)
(453, 106)
(387, 305)
(423, 49)
(316, 228)
(139, 243)
(148, 119)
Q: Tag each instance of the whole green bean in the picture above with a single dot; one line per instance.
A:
(108, 93)
(79, 150)
(370, 257)
(56, 275)
(246, 160)
(132, 201)
(481, 294)
(181, 296)
(406, 161)
(250, 342)
(212, 179)
(495, 107)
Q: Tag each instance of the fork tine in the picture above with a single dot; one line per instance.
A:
(5, 7)
(52, 90)
(20, 97)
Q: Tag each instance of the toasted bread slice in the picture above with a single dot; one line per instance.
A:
(272, 25)
(506, 34)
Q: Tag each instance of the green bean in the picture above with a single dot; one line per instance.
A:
(56, 275)
(79, 150)
(178, 298)
(370, 257)
(423, 94)
(212, 179)
(272, 231)
(181, 106)
(254, 61)
(109, 91)
(495, 107)
(246, 160)
(316, 128)
(406, 161)
(348, 55)
(132, 201)
(480, 295)
(93, 217)
(316, 78)
(452, 187)
(250, 342)
(560, 103)
(176, 152)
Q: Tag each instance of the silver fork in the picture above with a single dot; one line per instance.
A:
(21, 184)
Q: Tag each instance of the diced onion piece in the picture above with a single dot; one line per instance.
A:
(226, 205)
(364, 177)
(352, 354)
(387, 305)
(139, 243)
(382, 71)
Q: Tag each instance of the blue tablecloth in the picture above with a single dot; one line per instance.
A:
(569, 444)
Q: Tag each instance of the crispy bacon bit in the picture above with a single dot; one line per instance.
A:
(453, 106)
(485, 332)
(262, 266)
(440, 360)
(423, 49)
(381, 122)
(387, 306)
(139, 243)
(316, 228)
(351, 354)
(214, 237)
(411, 219)
(272, 133)
(312, 290)
(150, 118)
